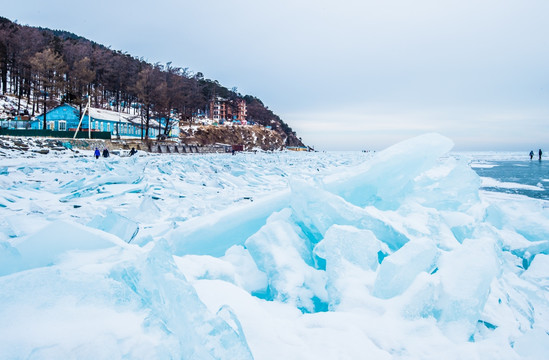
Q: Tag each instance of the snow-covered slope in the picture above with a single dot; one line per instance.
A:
(8, 106)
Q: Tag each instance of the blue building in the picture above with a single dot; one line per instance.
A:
(66, 118)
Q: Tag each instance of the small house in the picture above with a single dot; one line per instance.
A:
(121, 125)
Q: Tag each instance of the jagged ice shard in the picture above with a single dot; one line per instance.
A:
(394, 256)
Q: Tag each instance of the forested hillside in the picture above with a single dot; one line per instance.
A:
(46, 67)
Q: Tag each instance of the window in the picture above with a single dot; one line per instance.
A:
(108, 127)
(51, 125)
(62, 125)
(101, 126)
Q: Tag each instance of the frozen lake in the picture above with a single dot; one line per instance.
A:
(514, 176)
(408, 253)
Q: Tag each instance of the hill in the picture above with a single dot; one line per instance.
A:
(42, 68)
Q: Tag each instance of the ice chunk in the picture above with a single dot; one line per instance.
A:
(410, 221)
(247, 275)
(538, 271)
(398, 270)
(113, 223)
(228, 315)
(214, 233)
(347, 243)
(318, 210)
(278, 331)
(457, 292)
(449, 185)
(148, 207)
(512, 307)
(352, 255)
(282, 251)
(386, 179)
(526, 217)
(533, 345)
(461, 224)
(465, 277)
(112, 303)
(196, 267)
(44, 247)
(10, 258)
(237, 267)
(17, 225)
(163, 290)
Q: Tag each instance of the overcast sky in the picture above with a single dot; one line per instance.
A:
(346, 74)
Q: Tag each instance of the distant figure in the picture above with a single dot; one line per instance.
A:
(133, 151)
(540, 152)
(96, 153)
(105, 152)
(531, 154)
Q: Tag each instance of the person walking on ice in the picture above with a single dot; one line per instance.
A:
(540, 152)
(96, 153)
(531, 154)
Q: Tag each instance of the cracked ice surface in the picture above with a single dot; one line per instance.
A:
(394, 255)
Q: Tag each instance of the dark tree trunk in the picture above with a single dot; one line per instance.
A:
(4, 76)
(147, 121)
(45, 99)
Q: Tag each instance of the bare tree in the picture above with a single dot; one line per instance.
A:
(82, 78)
(49, 69)
(145, 88)
(43, 64)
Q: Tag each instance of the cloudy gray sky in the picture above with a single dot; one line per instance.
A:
(346, 74)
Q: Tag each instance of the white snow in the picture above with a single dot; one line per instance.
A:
(489, 182)
(394, 255)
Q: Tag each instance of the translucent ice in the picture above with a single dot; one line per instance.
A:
(282, 251)
(176, 311)
(116, 224)
(449, 185)
(237, 267)
(47, 245)
(247, 275)
(538, 271)
(347, 243)
(214, 234)
(525, 218)
(318, 210)
(10, 259)
(465, 277)
(399, 269)
(350, 254)
(114, 303)
(387, 178)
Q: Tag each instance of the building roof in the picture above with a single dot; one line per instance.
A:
(109, 115)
